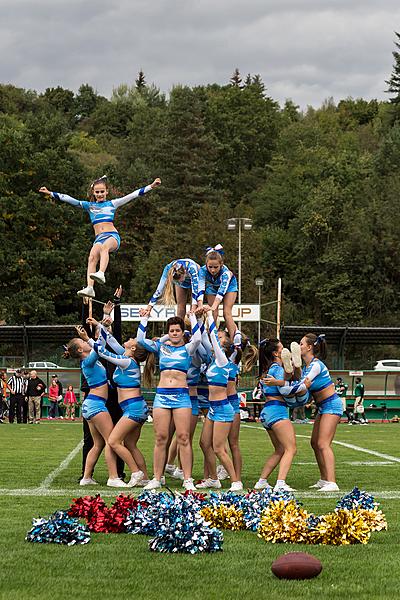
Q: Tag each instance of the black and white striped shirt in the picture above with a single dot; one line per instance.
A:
(17, 384)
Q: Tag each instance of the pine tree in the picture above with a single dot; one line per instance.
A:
(236, 80)
(247, 81)
(140, 81)
(258, 83)
(394, 81)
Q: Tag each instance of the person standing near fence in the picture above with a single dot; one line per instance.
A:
(359, 413)
(256, 395)
(34, 391)
(70, 403)
(60, 406)
(53, 398)
(3, 395)
(17, 385)
(341, 389)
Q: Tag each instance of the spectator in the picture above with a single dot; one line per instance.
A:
(257, 401)
(70, 403)
(4, 391)
(299, 415)
(359, 413)
(53, 398)
(341, 389)
(60, 404)
(35, 391)
(17, 385)
(26, 376)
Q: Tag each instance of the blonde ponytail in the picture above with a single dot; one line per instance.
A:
(168, 297)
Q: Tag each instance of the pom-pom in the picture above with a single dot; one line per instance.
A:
(224, 517)
(99, 517)
(357, 499)
(284, 521)
(181, 528)
(259, 500)
(59, 528)
(341, 528)
(375, 519)
(148, 513)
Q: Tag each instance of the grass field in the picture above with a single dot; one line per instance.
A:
(39, 468)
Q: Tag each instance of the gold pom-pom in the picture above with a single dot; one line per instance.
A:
(283, 521)
(341, 528)
(375, 519)
(224, 517)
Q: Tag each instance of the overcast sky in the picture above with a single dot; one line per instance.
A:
(306, 50)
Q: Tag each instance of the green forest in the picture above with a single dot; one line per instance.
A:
(321, 185)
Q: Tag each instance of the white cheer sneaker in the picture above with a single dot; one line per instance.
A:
(330, 486)
(98, 277)
(87, 481)
(136, 479)
(87, 292)
(188, 484)
(154, 484)
(116, 482)
(236, 486)
(283, 487)
(209, 483)
(286, 358)
(296, 354)
(320, 483)
(262, 485)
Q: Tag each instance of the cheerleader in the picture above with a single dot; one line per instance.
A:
(218, 423)
(102, 213)
(329, 407)
(172, 406)
(180, 275)
(219, 284)
(193, 378)
(94, 409)
(275, 415)
(126, 377)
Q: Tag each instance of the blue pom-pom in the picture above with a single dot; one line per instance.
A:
(182, 529)
(59, 528)
(357, 499)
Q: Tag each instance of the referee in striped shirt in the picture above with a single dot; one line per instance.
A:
(17, 385)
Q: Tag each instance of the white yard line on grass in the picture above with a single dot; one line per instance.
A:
(46, 483)
(346, 445)
(77, 492)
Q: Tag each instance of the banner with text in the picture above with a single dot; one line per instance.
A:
(240, 312)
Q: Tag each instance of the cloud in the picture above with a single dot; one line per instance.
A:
(304, 49)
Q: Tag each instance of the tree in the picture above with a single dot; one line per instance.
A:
(394, 81)
(140, 81)
(236, 80)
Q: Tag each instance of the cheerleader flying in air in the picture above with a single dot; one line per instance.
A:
(102, 213)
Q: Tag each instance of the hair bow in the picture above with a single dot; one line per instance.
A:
(218, 248)
(102, 179)
(319, 339)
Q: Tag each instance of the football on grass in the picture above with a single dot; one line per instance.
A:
(296, 565)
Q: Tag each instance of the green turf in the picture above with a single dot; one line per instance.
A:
(121, 566)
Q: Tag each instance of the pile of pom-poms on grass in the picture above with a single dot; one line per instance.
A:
(355, 517)
(191, 522)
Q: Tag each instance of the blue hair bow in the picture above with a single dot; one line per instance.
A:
(319, 339)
